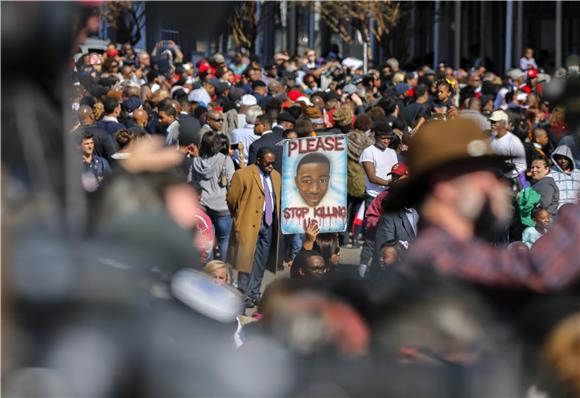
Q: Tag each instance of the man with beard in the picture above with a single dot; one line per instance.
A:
(463, 202)
(168, 121)
(506, 143)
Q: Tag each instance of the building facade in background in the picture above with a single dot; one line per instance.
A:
(461, 33)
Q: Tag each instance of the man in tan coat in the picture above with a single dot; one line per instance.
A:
(254, 203)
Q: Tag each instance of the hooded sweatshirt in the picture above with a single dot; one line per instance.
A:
(549, 194)
(568, 182)
(206, 171)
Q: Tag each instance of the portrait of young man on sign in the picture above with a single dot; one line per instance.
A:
(314, 184)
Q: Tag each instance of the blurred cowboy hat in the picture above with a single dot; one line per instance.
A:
(458, 146)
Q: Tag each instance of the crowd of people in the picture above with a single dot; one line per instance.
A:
(462, 197)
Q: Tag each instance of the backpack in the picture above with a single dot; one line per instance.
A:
(356, 181)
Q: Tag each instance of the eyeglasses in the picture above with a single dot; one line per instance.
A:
(319, 270)
(216, 120)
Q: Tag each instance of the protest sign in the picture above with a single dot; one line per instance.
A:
(314, 172)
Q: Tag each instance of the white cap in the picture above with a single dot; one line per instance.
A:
(248, 100)
(196, 96)
(175, 88)
(522, 97)
(306, 100)
(352, 63)
(499, 116)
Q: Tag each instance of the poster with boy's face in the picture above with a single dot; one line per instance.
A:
(314, 172)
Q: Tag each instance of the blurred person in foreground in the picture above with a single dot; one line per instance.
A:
(560, 355)
(463, 202)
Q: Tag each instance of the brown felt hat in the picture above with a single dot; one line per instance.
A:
(458, 145)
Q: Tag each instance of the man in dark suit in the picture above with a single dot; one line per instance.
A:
(254, 203)
(109, 122)
(271, 139)
(105, 146)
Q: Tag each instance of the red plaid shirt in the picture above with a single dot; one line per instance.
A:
(553, 263)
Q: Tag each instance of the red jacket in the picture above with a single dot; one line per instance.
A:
(374, 211)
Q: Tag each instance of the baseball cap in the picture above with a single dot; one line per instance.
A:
(499, 116)
(286, 117)
(258, 83)
(532, 73)
(202, 68)
(522, 97)
(195, 96)
(399, 169)
(393, 63)
(219, 59)
(306, 100)
(214, 82)
(131, 103)
(248, 100)
(401, 88)
(294, 94)
(221, 87)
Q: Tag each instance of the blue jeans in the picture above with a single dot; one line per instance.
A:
(223, 226)
(293, 245)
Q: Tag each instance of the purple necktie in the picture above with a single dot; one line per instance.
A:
(268, 201)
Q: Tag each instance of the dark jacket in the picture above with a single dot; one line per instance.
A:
(392, 226)
(110, 127)
(269, 140)
(105, 146)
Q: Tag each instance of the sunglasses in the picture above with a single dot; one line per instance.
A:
(319, 270)
(217, 120)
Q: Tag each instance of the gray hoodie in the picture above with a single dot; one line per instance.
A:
(206, 171)
(568, 182)
(549, 194)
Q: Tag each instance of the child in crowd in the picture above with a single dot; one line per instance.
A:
(390, 255)
(219, 271)
(542, 219)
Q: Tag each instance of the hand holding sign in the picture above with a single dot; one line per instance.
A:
(312, 231)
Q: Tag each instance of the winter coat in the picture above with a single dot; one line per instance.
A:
(246, 203)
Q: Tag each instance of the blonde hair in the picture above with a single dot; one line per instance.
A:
(214, 265)
(398, 77)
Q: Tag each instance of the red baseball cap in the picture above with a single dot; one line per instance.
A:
(294, 95)
(203, 68)
(399, 169)
(532, 73)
